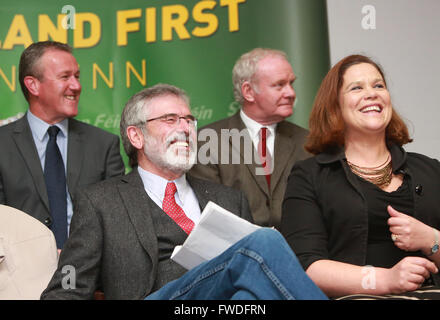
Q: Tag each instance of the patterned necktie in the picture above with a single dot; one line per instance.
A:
(266, 159)
(173, 210)
(55, 178)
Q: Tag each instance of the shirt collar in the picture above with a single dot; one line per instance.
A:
(254, 127)
(156, 184)
(39, 127)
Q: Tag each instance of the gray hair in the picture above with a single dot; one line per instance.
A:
(246, 67)
(136, 112)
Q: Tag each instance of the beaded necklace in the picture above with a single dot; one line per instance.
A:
(380, 176)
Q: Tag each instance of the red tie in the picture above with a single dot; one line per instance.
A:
(266, 159)
(173, 210)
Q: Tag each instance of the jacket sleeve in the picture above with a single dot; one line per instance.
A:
(78, 269)
(302, 222)
(2, 193)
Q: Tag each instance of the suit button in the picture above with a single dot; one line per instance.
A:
(48, 221)
(267, 203)
(419, 189)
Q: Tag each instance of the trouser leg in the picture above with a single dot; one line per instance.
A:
(261, 266)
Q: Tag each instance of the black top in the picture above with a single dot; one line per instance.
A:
(381, 251)
(326, 211)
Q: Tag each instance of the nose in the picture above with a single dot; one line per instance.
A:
(289, 92)
(370, 93)
(183, 125)
(74, 84)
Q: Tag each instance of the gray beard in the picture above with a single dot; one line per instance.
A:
(172, 158)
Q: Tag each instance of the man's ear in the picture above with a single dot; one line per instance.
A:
(247, 91)
(136, 137)
(32, 84)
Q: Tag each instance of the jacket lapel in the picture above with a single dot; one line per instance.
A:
(139, 207)
(283, 150)
(22, 136)
(203, 195)
(75, 154)
(236, 122)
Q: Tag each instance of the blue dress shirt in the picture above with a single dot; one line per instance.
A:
(41, 137)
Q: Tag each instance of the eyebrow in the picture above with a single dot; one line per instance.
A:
(288, 81)
(360, 81)
(66, 71)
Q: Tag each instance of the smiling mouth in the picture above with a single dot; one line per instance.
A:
(184, 144)
(73, 98)
(179, 144)
(371, 108)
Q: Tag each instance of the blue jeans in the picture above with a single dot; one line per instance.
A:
(260, 266)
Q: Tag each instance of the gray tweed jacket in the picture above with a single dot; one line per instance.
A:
(113, 241)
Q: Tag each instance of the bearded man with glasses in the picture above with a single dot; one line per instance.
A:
(124, 230)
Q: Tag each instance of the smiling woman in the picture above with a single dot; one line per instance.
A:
(365, 102)
(326, 116)
(358, 202)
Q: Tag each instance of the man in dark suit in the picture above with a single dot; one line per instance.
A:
(263, 85)
(49, 78)
(125, 228)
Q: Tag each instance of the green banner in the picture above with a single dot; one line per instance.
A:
(123, 47)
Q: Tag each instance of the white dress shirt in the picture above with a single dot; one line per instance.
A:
(185, 197)
(254, 128)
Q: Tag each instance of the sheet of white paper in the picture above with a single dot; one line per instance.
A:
(216, 231)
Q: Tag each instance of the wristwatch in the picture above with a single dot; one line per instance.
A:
(435, 246)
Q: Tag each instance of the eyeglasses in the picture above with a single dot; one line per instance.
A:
(173, 119)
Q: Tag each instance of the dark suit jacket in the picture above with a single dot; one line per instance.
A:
(93, 155)
(265, 204)
(113, 239)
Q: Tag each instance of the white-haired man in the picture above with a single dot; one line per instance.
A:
(263, 85)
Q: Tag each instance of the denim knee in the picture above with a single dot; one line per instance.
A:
(266, 238)
(266, 235)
